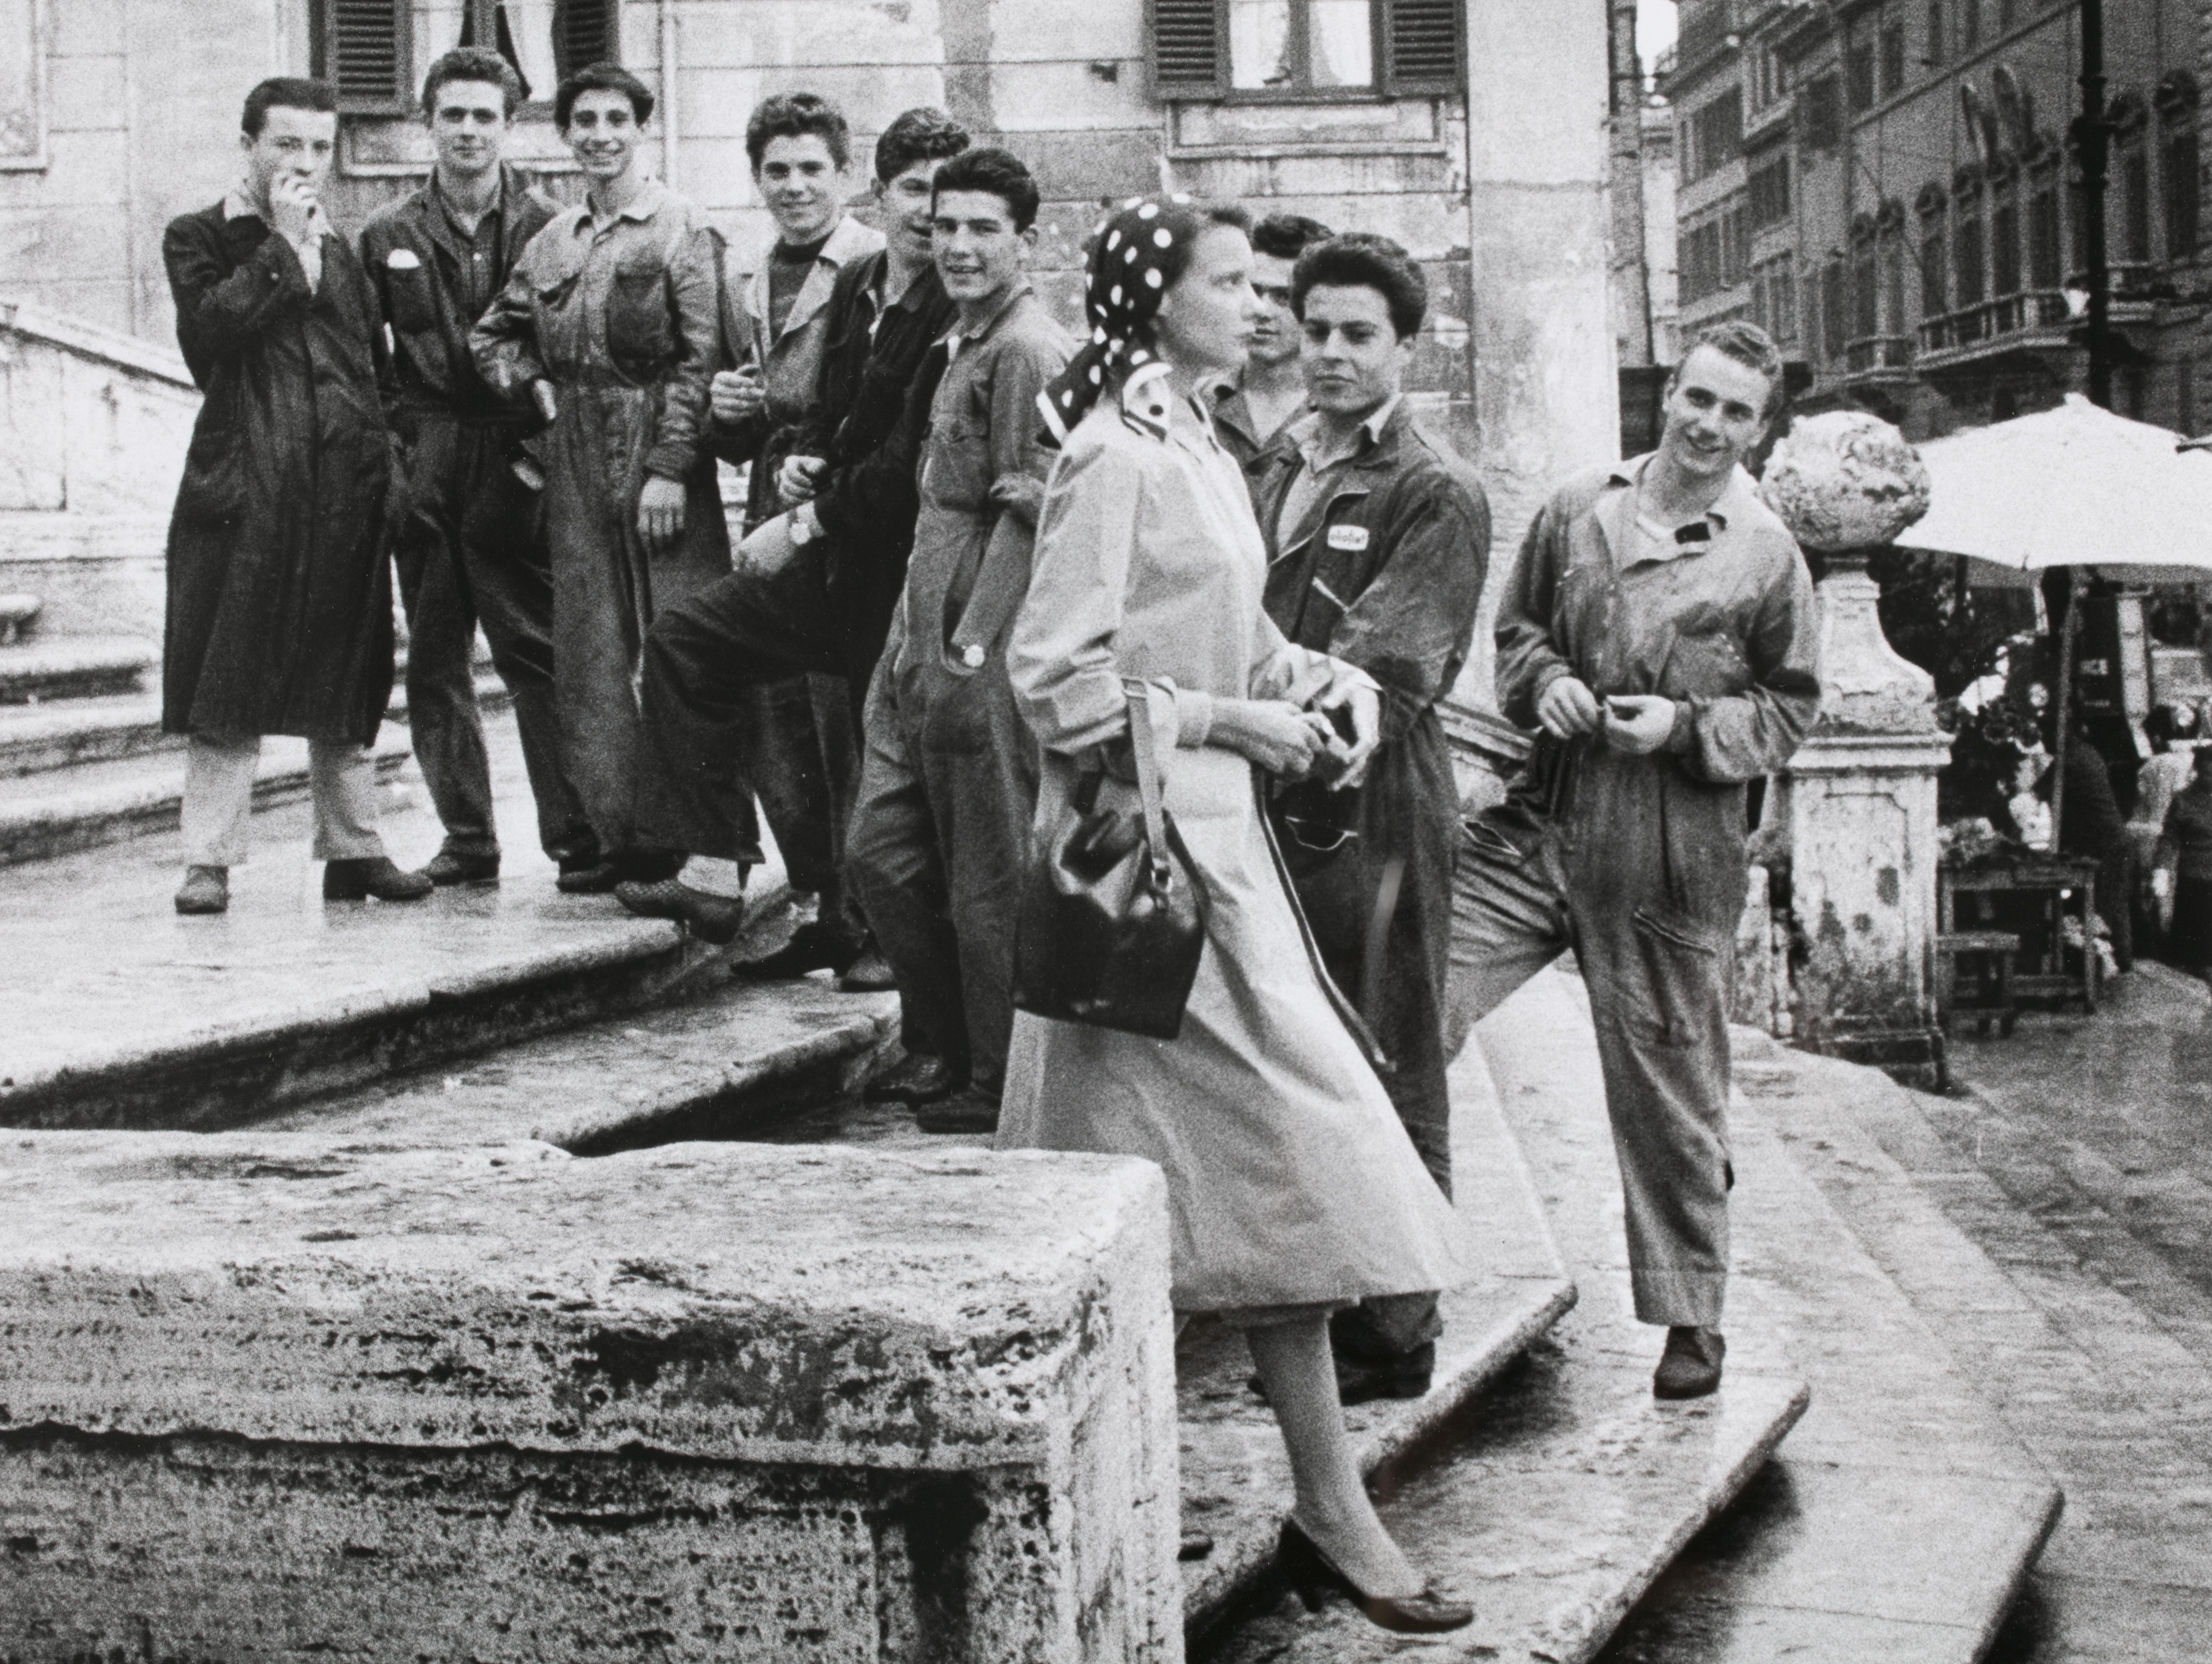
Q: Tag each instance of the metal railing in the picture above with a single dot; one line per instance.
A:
(1992, 320)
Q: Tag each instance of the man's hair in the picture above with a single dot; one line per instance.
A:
(601, 78)
(1750, 346)
(922, 134)
(794, 115)
(1286, 236)
(285, 92)
(472, 64)
(1361, 258)
(996, 173)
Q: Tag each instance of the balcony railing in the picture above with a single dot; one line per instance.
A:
(1991, 320)
(1870, 353)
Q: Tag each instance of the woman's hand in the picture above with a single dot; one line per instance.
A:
(1272, 732)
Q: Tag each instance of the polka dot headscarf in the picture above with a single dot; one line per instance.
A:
(1130, 254)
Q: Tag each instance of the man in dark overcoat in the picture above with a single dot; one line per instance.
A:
(279, 592)
(1378, 536)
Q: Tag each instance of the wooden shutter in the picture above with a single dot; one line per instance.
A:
(1421, 49)
(1190, 41)
(583, 33)
(364, 51)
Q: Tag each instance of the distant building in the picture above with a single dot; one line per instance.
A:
(1889, 187)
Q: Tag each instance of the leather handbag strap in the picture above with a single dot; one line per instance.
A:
(1148, 777)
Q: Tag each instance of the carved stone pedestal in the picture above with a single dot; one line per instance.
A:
(1860, 801)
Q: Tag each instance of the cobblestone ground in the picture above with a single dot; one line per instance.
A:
(2078, 1154)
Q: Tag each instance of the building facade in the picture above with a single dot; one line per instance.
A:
(1407, 117)
(1891, 188)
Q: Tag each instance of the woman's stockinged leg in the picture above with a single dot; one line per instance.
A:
(1333, 1506)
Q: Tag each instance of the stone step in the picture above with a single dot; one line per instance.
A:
(18, 614)
(1236, 1480)
(1552, 1500)
(72, 667)
(120, 1013)
(137, 791)
(36, 739)
(39, 738)
(1901, 1517)
(726, 1061)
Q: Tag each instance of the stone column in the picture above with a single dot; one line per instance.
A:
(1858, 800)
(1547, 398)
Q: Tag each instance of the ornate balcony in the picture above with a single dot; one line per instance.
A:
(1876, 358)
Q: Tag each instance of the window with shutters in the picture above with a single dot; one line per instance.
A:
(1305, 50)
(377, 51)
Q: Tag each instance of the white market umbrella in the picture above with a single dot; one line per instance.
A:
(2074, 487)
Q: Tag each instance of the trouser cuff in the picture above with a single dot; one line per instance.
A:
(1679, 1299)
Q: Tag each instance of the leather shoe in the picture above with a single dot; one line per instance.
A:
(921, 1078)
(710, 918)
(870, 973)
(450, 866)
(966, 1111)
(587, 875)
(1690, 1365)
(813, 947)
(375, 875)
(205, 889)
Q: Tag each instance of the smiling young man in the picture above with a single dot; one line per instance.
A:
(279, 615)
(471, 547)
(1660, 631)
(822, 602)
(610, 326)
(1270, 393)
(940, 835)
(800, 751)
(1378, 536)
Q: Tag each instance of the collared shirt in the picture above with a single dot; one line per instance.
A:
(481, 274)
(1321, 466)
(238, 205)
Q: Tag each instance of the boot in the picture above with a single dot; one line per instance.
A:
(373, 875)
(205, 889)
(450, 866)
(1690, 1365)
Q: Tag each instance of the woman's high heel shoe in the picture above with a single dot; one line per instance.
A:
(1312, 1572)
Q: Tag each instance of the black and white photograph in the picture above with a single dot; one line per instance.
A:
(1105, 831)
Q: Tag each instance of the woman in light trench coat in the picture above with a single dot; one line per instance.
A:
(1293, 1190)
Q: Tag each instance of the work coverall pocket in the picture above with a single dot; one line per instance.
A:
(639, 334)
(1674, 970)
(955, 471)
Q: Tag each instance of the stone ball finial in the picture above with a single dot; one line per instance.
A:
(1844, 479)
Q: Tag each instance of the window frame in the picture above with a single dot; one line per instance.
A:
(1200, 31)
(405, 95)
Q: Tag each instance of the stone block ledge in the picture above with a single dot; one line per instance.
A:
(262, 1394)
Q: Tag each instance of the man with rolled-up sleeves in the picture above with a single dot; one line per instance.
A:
(1660, 630)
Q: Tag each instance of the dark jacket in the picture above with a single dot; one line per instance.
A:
(279, 596)
(414, 256)
(1390, 580)
(868, 422)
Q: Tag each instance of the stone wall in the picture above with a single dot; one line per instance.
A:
(276, 1394)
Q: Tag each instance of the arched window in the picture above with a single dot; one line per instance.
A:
(1969, 284)
(1866, 282)
(2178, 162)
(2046, 249)
(2131, 178)
(1934, 256)
(2005, 233)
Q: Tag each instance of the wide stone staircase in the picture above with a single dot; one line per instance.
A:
(1538, 1478)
